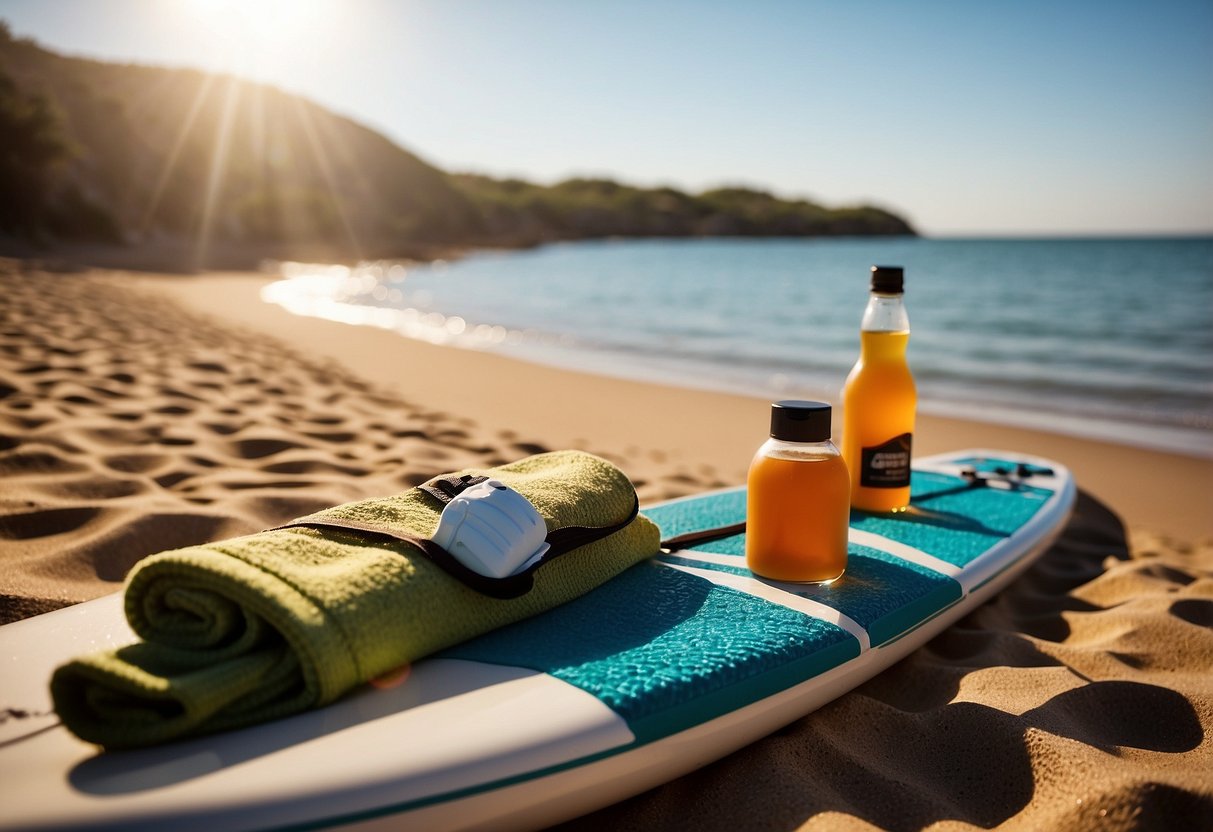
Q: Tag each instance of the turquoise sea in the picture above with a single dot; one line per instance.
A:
(1107, 338)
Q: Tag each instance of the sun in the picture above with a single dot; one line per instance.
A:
(260, 39)
(257, 24)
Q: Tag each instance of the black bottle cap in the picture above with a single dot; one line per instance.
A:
(888, 280)
(800, 421)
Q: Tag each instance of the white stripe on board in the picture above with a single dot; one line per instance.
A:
(774, 593)
(736, 561)
(869, 539)
(901, 550)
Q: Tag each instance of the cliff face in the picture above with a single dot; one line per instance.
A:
(143, 154)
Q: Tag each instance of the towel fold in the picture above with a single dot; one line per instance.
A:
(259, 627)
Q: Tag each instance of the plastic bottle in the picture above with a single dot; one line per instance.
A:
(879, 400)
(797, 500)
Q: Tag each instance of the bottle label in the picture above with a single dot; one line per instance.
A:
(886, 465)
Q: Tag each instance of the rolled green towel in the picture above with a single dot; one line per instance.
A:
(258, 627)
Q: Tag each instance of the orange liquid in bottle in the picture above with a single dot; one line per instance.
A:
(797, 515)
(878, 405)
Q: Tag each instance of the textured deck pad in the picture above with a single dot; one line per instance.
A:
(883, 594)
(952, 520)
(943, 520)
(667, 650)
(721, 508)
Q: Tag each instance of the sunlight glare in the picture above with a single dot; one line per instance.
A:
(260, 20)
(253, 35)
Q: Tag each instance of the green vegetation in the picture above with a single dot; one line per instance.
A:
(31, 143)
(100, 151)
(590, 208)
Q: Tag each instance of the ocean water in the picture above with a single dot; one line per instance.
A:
(1106, 338)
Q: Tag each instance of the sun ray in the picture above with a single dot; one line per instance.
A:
(171, 161)
(333, 138)
(141, 106)
(326, 170)
(214, 180)
(257, 130)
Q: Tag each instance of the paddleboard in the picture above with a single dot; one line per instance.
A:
(675, 663)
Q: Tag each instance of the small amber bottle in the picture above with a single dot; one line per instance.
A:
(798, 498)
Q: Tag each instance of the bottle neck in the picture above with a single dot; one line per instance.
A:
(885, 313)
(802, 451)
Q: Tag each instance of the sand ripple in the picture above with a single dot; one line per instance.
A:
(128, 426)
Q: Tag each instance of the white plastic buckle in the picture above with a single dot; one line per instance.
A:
(492, 530)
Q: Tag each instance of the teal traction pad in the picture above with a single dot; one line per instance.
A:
(943, 519)
(667, 650)
(953, 520)
(883, 594)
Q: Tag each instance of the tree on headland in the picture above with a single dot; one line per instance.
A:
(31, 144)
(582, 208)
(39, 199)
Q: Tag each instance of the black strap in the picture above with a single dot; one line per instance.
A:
(560, 541)
(1012, 477)
(683, 541)
(445, 489)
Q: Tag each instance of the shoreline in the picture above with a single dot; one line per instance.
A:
(1033, 400)
(1142, 436)
(690, 429)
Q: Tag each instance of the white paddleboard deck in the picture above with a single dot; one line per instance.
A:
(672, 665)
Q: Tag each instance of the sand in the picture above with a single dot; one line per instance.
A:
(139, 413)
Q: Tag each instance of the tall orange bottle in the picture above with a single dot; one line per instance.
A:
(797, 500)
(879, 400)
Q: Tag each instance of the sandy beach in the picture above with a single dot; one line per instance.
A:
(143, 412)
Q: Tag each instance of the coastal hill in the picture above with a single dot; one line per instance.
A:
(120, 154)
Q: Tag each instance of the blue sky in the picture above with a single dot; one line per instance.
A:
(967, 117)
